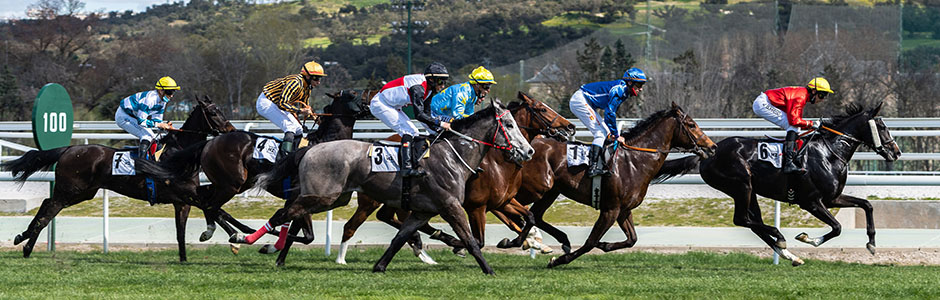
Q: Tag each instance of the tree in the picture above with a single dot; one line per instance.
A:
(11, 107)
(588, 60)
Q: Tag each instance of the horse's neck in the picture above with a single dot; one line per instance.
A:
(469, 151)
(658, 136)
(840, 148)
(175, 140)
(524, 119)
(334, 128)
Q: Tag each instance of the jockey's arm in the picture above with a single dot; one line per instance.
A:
(610, 113)
(463, 101)
(416, 92)
(290, 89)
(795, 114)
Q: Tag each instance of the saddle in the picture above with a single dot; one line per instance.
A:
(156, 154)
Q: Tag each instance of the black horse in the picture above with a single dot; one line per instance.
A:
(737, 171)
(330, 172)
(83, 169)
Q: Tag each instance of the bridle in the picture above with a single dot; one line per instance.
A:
(501, 129)
(698, 149)
(213, 130)
(546, 124)
(876, 144)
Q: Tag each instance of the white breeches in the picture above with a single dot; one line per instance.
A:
(582, 109)
(393, 117)
(129, 124)
(282, 119)
(764, 109)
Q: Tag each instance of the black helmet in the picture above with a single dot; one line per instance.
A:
(436, 69)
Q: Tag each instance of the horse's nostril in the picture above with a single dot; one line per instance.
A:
(531, 152)
(571, 127)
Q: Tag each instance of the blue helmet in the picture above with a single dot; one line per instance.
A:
(635, 75)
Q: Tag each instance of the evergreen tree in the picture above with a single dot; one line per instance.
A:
(10, 106)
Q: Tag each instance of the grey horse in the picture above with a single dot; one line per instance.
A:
(330, 172)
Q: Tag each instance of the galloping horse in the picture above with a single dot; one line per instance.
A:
(490, 189)
(331, 171)
(227, 160)
(633, 166)
(83, 169)
(737, 171)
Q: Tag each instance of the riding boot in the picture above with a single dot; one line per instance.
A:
(407, 165)
(597, 164)
(143, 149)
(790, 158)
(287, 145)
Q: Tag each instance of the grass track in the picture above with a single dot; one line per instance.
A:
(214, 273)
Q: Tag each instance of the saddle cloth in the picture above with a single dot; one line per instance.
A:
(122, 163)
(770, 152)
(266, 149)
(578, 154)
(384, 158)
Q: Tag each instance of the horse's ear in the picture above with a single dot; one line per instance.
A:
(524, 97)
(331, 95)
(206, 99)
(875, 111)
(495, 102)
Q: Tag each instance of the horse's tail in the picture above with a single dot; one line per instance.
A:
(676, 167)
(182, 164)
(33, 161)
(282, 169)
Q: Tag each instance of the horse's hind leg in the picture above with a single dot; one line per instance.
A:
(538, 209)
(747, 214)
(818, 210)
(49, 209)
(181, 215)
(366, 207)
(625, 220)
(408, 229)
(850, 201)
(603, 223)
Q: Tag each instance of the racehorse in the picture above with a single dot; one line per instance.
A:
(490, 189)
(331, 171)
(633, 166)
(83, 169)
(737, 171)
(227, 160)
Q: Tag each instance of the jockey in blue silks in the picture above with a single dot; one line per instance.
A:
(607, 96)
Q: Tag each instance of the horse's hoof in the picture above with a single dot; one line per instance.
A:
(341, 260)
(279, 263)
(268, 249)
(871, 248)
(236, 238)
(18, 239)
(461, 252)
(797, 262)
(378, 269)
(505, 243)
(205, 236)
(546, 249)
(802, 237)
(234, 248)
(551, 262)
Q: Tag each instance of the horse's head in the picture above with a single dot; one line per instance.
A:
(689, 136)
(540, 118)
(347, 103)
(208, 118)
(507, 133)
(869, 129)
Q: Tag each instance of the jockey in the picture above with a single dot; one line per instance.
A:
(784, 108)
(457, 101)
(140, 112)
(276, 102)
(605, 95)
(412, 89)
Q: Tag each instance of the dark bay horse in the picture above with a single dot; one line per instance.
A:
(227, 160)
(490, 189)
(632, 168)
(330, 172)
(737, 171)
(82, 170)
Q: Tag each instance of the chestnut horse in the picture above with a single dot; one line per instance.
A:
(490, 189)
(633, 166)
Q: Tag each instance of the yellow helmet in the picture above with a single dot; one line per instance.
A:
(167, 83)
(819, 84)
(481, 75)
(312, 68)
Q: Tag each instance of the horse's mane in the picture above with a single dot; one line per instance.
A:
(644, 124)
(513, 106)
(488, 112)
(850, 111)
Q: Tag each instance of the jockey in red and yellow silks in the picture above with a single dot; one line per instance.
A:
(784, 107)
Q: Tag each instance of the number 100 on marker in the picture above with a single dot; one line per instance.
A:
(54, 122)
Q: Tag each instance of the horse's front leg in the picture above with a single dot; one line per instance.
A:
(849, 201)
(408, 229)
(626, 224)
(453, 213)
(305, 223)
(603, 223)
(818, 210)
